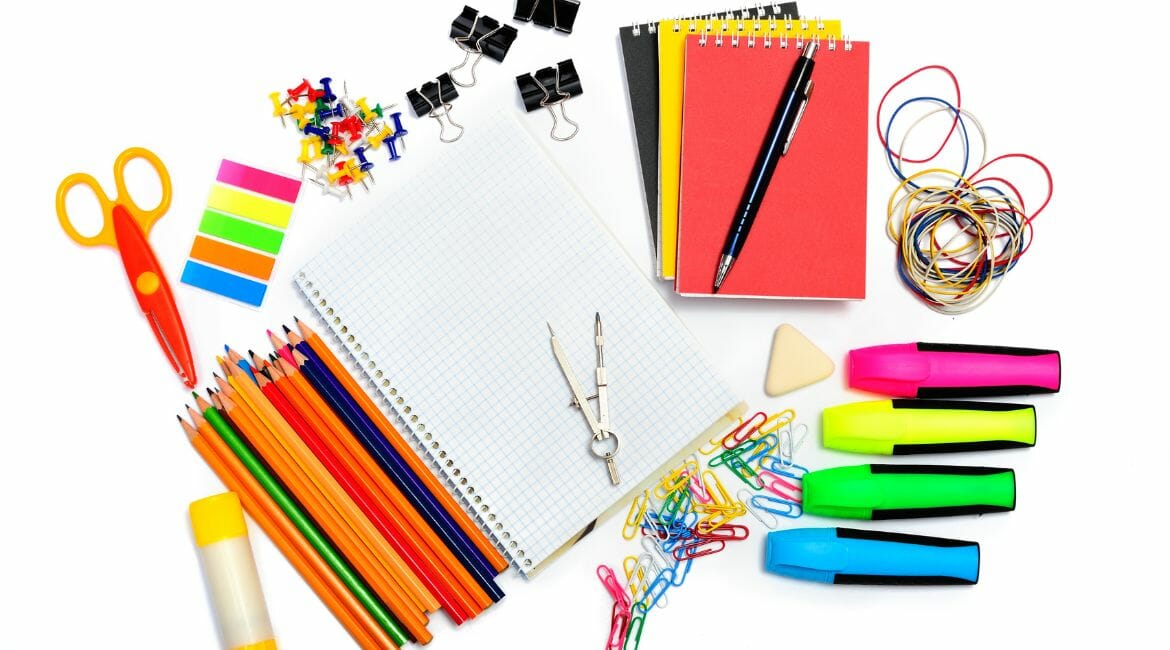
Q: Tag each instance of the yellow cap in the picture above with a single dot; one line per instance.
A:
(217, 518)
(270, 644)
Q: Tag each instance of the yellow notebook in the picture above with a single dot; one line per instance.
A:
(672, 40)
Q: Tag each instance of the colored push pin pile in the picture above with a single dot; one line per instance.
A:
(338, 134)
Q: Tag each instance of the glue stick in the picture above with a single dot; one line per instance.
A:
(230, 572)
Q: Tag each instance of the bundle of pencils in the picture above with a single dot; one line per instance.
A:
(338, 489)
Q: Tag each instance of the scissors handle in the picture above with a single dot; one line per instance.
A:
(144, 218)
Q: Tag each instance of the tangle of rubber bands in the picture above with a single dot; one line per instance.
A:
(957, 233)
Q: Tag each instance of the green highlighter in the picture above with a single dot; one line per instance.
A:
(908, 491)
(921, 426)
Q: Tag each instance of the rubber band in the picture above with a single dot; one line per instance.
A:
(956, 234)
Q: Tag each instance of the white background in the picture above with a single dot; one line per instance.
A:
(96, 476)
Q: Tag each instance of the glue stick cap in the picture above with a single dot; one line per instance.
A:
(946, 370)
(217, 518)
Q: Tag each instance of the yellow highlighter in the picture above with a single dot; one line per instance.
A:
(922, 426)
(230, 572)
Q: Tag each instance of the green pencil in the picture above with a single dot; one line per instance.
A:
(304, 524)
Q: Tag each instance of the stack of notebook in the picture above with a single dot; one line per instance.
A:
(702, 92)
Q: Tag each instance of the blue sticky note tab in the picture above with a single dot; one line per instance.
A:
(224, 283)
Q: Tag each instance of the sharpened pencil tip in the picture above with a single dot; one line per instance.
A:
(286, 329)
(178, 417)
(297, 320)
(550, 329)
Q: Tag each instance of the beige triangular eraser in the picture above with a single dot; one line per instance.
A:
(796, 362)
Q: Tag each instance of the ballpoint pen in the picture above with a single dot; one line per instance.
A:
(790, 109)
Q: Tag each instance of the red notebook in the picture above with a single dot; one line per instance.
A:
(808, 240)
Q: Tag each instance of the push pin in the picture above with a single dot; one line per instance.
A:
(320, 132)
(310, 150)
(277, 107)
(365, 112)
(399, 130)
(392, 148)
(326, 91)
(365, 165)
(351, 126)
(302, 113)
(301, 90)
(378, 138)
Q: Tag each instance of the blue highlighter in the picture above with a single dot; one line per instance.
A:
(846, 556)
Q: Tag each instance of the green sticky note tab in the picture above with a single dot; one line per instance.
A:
(241, 232)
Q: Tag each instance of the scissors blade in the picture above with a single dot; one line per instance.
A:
(153, 293)
(574, 385)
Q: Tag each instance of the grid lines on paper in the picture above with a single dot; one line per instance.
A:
(446, 287)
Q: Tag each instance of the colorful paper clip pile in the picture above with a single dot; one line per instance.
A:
(338, 134)
(688, 515)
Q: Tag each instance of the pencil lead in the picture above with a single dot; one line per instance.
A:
(178, 417)
(209, 391)
(226, 349)
(286, 328)
(298, 321)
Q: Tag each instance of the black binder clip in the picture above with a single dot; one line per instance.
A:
(550, 87)
(479, 35)
(558, 14)
(433, 99)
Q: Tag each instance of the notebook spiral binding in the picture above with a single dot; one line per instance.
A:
(756, 14)
(718, 39)
(448, 469)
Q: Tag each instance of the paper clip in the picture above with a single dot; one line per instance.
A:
(618, 625)
(789, 416)
(663, 561)
(745, 497)
(672, 482)
(787, 452)
(699, 547)
(609, 581)
(761, 447)
(778, 484)
(714, 443)
(634, 632)
(743, 431)
(681, 569)
(777, 506)
(777, 465)
(636, 515)
(656, 592)
(639, 577)
(730, 532)
(698, 490)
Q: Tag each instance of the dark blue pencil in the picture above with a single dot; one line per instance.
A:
(391, 463)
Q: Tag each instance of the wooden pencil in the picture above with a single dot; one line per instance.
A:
(330, 522)
(352, 488)
(387, 564)
(320, 578)
(415, 530)
(395, 466)
(391, 433)
(237, 463)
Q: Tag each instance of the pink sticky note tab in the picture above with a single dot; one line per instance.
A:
(272, 185)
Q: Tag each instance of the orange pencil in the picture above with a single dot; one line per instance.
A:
(348, 611)
(340, 534)
(387, 495)
(290, 447)
(390, 432)
(353, 488)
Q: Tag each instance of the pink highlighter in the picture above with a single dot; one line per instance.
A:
(947, 370)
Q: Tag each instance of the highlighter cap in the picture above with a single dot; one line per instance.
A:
(217, 518)
(849, 556)
(947, 370)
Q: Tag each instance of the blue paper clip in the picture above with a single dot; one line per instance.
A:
(764, 516)
(681, 570)
(762, 446)
(777, 506)
(656, 592)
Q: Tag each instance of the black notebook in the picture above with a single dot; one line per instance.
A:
(640, 53)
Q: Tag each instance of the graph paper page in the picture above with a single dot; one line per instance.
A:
(442, 294)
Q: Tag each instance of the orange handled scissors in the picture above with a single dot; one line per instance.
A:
(126, 227)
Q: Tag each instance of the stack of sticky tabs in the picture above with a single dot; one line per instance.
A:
(241, 232)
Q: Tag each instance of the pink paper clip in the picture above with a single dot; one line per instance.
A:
(780, 486)
(611, 584)
(618, 625)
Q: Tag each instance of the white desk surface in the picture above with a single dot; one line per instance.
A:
(95, 491)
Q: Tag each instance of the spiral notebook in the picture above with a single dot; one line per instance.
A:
(808, 239)
(720, 32)
(640, 55)
(442, 295)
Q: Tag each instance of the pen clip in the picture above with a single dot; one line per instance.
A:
(799, 114)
